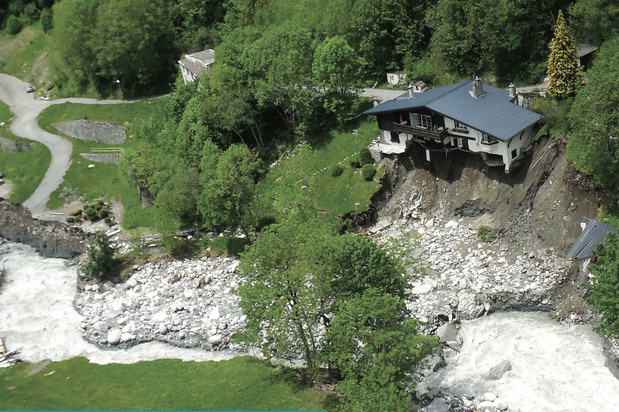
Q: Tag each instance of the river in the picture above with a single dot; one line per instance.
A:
(553, 367)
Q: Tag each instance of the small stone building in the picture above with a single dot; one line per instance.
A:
(193, 65)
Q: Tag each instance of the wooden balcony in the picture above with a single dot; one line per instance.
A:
(417, 132)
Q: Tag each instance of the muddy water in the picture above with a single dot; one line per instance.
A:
(553, 367)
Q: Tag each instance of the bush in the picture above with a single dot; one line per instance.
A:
(336, 170)
(77, 212)
(47, 20)
(103, 213)
(70, 219)
(368, 172)
(355, 164)
(605, 285)
(486, 233)
(14, 25)
(100, 256)
(178, 247)
(366, 157)
(91, 214)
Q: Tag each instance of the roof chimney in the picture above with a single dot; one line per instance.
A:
(478, 87)
(512, 90)
(410, 91)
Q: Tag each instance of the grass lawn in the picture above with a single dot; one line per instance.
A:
(309, 170)
(104, 180)
(243, 383)
(25, 180)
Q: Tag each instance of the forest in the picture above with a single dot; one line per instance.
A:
(287, 75)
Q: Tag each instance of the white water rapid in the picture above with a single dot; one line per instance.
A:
(553, 367)
(37, 317)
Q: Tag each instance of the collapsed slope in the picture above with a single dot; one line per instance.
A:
(541, 204)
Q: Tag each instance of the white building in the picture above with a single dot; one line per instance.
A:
(193, 65)
(467, 116)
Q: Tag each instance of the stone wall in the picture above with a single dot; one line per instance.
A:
(50, 239)
(101, 132)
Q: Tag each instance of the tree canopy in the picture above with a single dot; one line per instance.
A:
(605, 286)
(594, 120)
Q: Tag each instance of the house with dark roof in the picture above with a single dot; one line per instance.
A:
(193, 65)
(467, 116)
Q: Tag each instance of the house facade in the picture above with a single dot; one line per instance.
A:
(193, 65)
(467, 116)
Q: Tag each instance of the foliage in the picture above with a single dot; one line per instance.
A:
(554, 113)
(594, 120)
(47, 20)
(365, 156)
(228, 198)
(605, 286)
(486, 233)
(100, 256)
(98, 42)
(241, 383)
(595, 20)
(300, 277)
(14, 25)
(368, 172)
(336, 170)
(564, 75)
(377, 347)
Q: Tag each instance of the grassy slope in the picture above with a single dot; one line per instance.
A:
(240, 383)
(311, 167)
(103, 180)
(24, 179)
(19, 55)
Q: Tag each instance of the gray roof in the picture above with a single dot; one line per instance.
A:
(197, 62)
(595, 232)
(491, 113)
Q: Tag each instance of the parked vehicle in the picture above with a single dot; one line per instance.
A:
(29, 88)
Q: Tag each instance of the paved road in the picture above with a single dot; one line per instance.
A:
(26, 109)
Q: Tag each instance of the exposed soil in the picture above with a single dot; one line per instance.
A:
(537, 205)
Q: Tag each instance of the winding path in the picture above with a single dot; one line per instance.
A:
(26, 110)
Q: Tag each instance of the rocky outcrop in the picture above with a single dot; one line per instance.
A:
(50, 239)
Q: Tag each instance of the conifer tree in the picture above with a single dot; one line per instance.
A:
(564, 75)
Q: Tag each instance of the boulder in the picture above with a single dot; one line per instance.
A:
(447, 332)
(113, 336)
(497, 371)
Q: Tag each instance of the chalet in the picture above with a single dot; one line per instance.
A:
(467, 116)
(193, 65)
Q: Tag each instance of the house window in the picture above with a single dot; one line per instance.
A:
(514, 153)
(460, 128)
(395, 137)
(487, 139)
(422, 120)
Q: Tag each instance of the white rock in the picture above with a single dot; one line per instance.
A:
(489, 396)
(113, 336)
(452, 224)
(215, 339)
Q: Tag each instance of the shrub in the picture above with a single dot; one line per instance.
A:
(77, 212)
(97, 206)
(109, 221)
(366, 157)
(178, 247)
(486, 233)
(14, 25)
(103, 213)
(70, 219)
(336, 170)
(100, 256)
(368, 172)
(91, 214)
(47, 20)
(355, 164)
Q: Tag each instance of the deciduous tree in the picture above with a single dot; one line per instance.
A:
(605, 286)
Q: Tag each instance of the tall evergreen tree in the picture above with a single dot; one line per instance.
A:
(564, 75)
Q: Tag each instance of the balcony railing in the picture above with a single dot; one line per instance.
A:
(416, 131)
